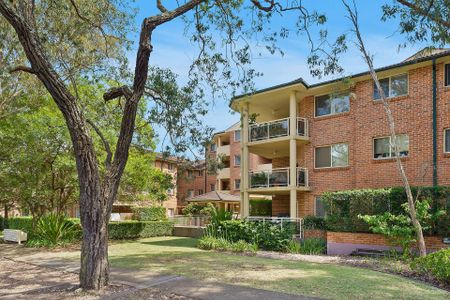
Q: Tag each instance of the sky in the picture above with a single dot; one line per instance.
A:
(172, 49)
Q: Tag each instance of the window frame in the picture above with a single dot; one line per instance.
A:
(236, 187)
(212, 187)
(332, 114)
(390, 146)
(446, 65)
(331, 156)
(189, 193)
(234, 160)
(213, 145)
(446, 151)
(390, 80)
(315, 208)
(234, 135)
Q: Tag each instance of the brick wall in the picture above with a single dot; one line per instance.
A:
(347, 242)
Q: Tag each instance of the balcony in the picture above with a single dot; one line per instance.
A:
(276, 129)
(277, 178)
(223, 173)
(223, 150)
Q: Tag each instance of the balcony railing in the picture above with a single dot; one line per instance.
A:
(269, 130)
(276, 128)
(277, 178)
(302, 177)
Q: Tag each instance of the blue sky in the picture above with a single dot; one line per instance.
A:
(171, 49)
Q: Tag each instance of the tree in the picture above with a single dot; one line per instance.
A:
(353, 16)
(39, 24)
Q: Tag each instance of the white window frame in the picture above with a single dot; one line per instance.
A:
(390, 146)
(234, 161)
(237, 140)
(213, 147)
(446, 64)
(236, 187)
(390, 79)
(446, 151)
(331, 155)
(332, 113)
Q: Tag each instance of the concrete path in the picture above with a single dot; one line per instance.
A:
(141, 279)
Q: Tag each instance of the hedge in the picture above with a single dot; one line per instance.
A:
(150, 213)
(260, 207)
(117, 230)
(139, 229)
(343, 207)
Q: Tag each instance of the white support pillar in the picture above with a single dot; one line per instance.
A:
(245, 203)
(293, 155)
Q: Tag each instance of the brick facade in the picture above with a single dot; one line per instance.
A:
(367, 120)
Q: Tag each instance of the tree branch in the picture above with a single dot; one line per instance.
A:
(117, 92)
(169, 15)
(425, 13)
(161, 6)
(23, 69)
(104, 141)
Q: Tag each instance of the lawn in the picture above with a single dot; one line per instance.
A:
(176, 255)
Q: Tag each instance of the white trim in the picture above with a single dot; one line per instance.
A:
(235, 187)
(445, 150)
(390, 146)
(390, 78)
(332, 114)
(234, 135)
(331, 156)
(234, 160)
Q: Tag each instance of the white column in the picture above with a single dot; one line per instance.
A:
(244, 161)
(293, 155)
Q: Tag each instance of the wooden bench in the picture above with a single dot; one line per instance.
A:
(13, 235)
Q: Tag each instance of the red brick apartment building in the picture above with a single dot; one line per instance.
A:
(334, 135)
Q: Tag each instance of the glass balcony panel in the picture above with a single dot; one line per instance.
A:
(302, 127)
(277, 129)
(279, 178)
(258, 132)
(259, 179)
(301, 177)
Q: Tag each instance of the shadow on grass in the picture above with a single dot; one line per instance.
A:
(173, 242)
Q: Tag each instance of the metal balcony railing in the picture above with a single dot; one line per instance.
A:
(276, 128)
(269, 130)
(302, 177)
(269, 178)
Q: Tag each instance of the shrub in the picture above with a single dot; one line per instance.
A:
(193, 209)
(222, 244)
(22, 223)
(267, 235)
(53, 229)
(313, 246)
(313, 222)
(260, 207)
(139, 229)
(343, 207)
(2, 223)
(436, 264)
(150, 213)
(293, 247)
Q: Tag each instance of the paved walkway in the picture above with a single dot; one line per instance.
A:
(141, 279)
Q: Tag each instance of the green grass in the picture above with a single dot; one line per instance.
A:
(176, 255)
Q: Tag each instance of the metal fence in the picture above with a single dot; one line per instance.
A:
(282, 221)
(194, 221)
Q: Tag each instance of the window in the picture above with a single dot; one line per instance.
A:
(331, 156)
(331, 104)
(199, 173)
(170, 166)
(200, 192)
(237, 135)
(190, 173)
(392, 86)
(237, 184)
(447, 74)
(383, 148)
(170, 212)
(237, 160)
(319, 208)
(190, 193)
(213, 148)
(212, 187)
(447, 140)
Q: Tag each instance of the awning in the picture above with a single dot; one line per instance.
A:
(215, 196)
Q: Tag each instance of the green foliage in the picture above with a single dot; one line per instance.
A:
(139, 229)
(2, 223)
(22, 223)
(313, 246)
(398, 228)
(343, 207)
(193, 209)
(53, 230)
(260, 207)
(152, 213)
(218, 215)
(221, 244)
(293, 247)
(267, 235)
(436, 264)
(313, 222)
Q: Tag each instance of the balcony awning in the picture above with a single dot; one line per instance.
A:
(215, 196)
